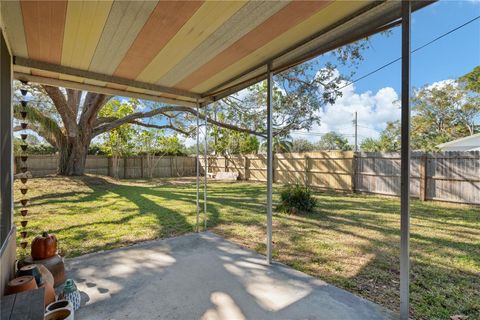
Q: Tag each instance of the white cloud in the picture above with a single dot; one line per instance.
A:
(374, 110)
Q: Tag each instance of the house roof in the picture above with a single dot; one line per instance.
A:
(470, 141)
(179, 51)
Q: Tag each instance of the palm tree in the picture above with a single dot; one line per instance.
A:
(280, 144)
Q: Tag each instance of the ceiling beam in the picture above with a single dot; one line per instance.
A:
(98, 89)
(40, 65)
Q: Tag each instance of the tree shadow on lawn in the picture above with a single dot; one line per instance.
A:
(440, 286)
(171, 221)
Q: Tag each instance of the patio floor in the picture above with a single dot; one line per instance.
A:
(205, 276)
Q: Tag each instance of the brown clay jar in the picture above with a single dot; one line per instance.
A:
(21, 284)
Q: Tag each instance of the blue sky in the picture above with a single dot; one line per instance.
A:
(375, 98)
(449, 57)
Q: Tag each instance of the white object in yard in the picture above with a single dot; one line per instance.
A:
(470, 143)
(230, 176)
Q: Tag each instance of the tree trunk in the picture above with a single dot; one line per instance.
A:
(72, 158)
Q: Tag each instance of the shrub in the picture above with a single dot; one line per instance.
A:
(297, 198)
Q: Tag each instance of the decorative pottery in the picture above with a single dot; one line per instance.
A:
(59, 304)
(23, 234)
(23, 244)
(59, 314)
(24, 125)
(24, 158)
(21, 284)
(24, 212)
(71, 293)
(32, 270)
(49, 293)
(23, 114)
(44, 246)
(54, 264)
(24, 202)
(24, 180)
(24, 223)
(46, 274)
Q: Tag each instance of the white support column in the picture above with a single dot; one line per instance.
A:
(405, 167)
(269, 164)
(205, 217)
(198, 168)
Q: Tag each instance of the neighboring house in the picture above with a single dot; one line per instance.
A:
(470, 143)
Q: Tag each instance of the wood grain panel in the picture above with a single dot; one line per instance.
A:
(247, 18)
(288, 17)
(164, 22)
(322, 19)
(13, 20)
(44, 23)
(124, 22)
(83, 28)
(210, 16)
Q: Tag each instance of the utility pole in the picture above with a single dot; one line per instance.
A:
(356, 131)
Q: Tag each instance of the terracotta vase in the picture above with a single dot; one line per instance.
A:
(54, 265)
(49, 293)
(32, 270)
(21, 284)
(46, 274)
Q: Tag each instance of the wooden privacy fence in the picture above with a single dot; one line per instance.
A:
(446, 176)
(132, 167)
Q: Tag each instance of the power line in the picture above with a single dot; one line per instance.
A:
(413, 51)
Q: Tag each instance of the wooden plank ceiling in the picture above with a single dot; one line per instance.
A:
(175, 50)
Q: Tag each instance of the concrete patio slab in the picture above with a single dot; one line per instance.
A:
(203, 276)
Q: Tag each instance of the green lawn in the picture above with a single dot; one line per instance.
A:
(351, 241)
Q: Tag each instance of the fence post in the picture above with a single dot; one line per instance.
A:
(125, 168)
(141, 166)
(307, 170)
(245, 168)
(423, 178)
(354, 172)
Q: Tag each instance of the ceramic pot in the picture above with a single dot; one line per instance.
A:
(54, 264)
(46, 274)
(32, 270)
(49, 293)
(21, 284)
(59, 314)
(60, 304)
(71, 293)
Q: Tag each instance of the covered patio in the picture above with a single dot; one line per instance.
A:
(203, 276)
(192, 54)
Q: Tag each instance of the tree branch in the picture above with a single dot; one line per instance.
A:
(161, 111)
(167, 126)
(61, 104)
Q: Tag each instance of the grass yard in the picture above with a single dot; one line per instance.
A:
(351, 241)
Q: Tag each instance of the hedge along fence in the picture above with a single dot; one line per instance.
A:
(132, 167)
(446, 176)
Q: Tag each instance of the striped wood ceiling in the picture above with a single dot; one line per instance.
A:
(177, 51)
